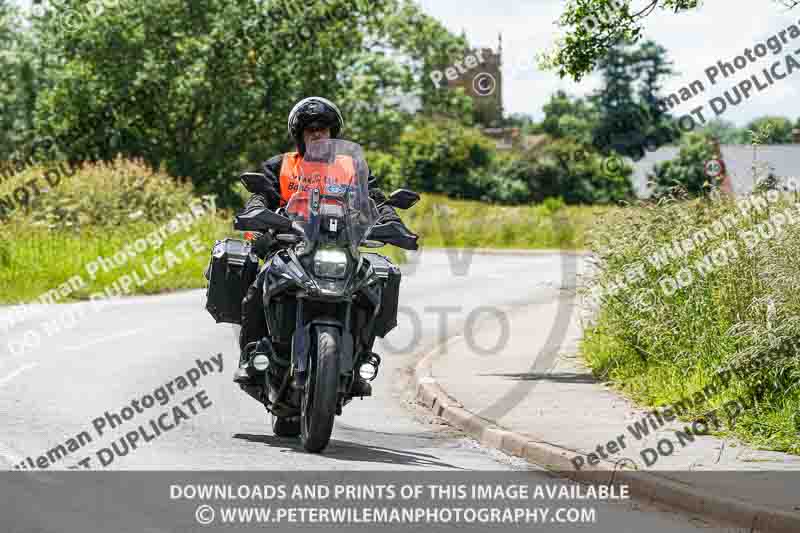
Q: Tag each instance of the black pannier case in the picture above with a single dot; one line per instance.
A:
(386, 320)
(231, 271)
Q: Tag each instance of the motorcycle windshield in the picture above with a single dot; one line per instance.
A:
(331, 202)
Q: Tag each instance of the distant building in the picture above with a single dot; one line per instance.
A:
(781, 161)
(484, 84)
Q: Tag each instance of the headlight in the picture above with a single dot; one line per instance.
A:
(260, 362)
(330, 263)
(367, 371)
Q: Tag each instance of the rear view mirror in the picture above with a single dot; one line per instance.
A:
(402, 199)
(254, 182)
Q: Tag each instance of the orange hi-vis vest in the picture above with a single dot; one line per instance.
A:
(300, 175)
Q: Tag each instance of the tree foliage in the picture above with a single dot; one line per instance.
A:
(567, 117)
(687, 171)
(630, 122)
(438, 156)
(776, 130)
(596, 26)
(575, 172)
(593, 27)
(203, 88)
(22, 66)
(724, 131)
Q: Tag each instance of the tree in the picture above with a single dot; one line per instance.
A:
(595, 26)
(576, 172)
(629, 120)
(438, 156)
(204, 87)
(21, 65)
(423, 45)
(725, 132)
(777, 130)
(686, 171)
(565, 117)
(520, 120)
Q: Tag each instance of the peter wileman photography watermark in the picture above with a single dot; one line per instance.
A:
(423, 502)
(483, 83)
(71, 19)
(145, 432)
(479, 317)
(22, 196)
(658, 418)
(604, 14)
(719, 105)
(751, 235)
(746, 88)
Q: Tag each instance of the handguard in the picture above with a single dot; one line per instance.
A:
(394, 233)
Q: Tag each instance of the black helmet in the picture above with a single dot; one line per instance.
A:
(314, 111)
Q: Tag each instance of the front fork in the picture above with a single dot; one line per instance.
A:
(303, 337)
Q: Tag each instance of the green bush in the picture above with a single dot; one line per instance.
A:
(498, 182)
(437, 155)
(387, 168)
(573, 171)
(99, 195)
(96, 210)
(687, 171)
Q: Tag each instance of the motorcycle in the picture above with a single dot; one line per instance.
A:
(325, 300)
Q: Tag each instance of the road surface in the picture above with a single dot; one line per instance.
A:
(57, 389)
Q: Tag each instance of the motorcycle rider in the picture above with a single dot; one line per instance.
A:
(311, 119)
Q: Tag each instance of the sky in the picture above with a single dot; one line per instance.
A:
(719, 30)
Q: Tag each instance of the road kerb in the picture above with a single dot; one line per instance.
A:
(642, 485)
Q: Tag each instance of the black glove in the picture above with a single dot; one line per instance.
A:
(396, 233)
(263, 245)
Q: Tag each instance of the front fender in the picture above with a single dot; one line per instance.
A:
(303, 337)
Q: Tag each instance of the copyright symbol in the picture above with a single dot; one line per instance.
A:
(37, 11)
(645, 300)
(612, 165)
(71, 20)
(625, 462)
(484, 84)
(204, 515)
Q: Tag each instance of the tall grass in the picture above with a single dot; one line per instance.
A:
(444, 222)
(662, 345)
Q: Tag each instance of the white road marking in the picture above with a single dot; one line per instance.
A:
(9, 456)
(17, 372)
(104, 339)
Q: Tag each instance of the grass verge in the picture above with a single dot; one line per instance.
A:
(444, 222)
(687, 292)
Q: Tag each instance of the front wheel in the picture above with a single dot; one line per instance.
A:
(321, 392)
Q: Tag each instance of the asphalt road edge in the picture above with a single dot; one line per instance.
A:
(642, 485)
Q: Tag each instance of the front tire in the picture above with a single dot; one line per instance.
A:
(321, 393)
